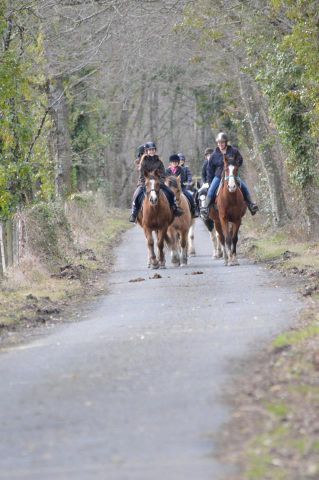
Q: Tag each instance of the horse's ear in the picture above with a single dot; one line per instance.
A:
(156, 173)
(146, 174)
(225, 159)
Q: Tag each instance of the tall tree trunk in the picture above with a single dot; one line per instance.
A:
(60, 146)
(258, 122)
(154, 113)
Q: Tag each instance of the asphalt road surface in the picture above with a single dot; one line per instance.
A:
(135, 391)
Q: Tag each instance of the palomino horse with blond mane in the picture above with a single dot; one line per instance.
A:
(155, 216)
(180, 233)
(231, 208)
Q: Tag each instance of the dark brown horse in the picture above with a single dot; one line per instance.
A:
(155, 216)
(231, 208)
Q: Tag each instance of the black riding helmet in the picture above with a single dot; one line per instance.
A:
(150, 145)
(174, 158)
(140, 151)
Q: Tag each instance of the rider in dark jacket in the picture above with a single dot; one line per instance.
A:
(176, 170)
(188, 177)
(150, 162)
(207, 154)
(215, 168)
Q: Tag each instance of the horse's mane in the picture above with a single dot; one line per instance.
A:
(231, 161)
(172, 182)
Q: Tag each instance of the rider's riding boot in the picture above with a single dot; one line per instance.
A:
(205, 210)
(134, 214)
(195, 212)
(132, 218)
(252, 207)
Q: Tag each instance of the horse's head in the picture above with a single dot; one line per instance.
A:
(231, 177)
(174, 183)
(152, 186)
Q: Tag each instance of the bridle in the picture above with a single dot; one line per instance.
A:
(232, 186)
(152, 193)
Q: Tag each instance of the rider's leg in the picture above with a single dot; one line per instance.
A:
(190, 198)
(137, 201)
(172, 200)
(210, 198)
(253, 208)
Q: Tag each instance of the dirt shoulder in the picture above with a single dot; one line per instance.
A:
(274, 432)
(55, 281)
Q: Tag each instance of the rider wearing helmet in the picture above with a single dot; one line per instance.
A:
(149, 163)
(188, 173)
(176, 170)
(207, 154)
(140, 152)
(215, 168)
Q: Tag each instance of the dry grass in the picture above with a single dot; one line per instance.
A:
(274, 434)
(68, 269)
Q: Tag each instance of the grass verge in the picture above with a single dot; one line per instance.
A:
(69, 252)
(274, 433)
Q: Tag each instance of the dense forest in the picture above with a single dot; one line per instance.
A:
(83, 83)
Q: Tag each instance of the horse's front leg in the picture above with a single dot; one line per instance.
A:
(173, 246)
(152, 260)
(217, 246)
(160, 246)
(227, 240)
(184, 245)
(191, 246)
(234, 260)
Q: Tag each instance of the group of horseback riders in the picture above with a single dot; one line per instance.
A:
(148, 161)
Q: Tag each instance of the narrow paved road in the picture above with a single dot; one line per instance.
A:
(135, 391)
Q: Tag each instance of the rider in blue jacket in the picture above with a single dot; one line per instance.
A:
(215, 168)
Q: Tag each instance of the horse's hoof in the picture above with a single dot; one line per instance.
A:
(162, 267)
(155, 266)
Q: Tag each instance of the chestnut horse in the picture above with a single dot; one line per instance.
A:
(155, 216)
(180, 234)
(231, 208)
